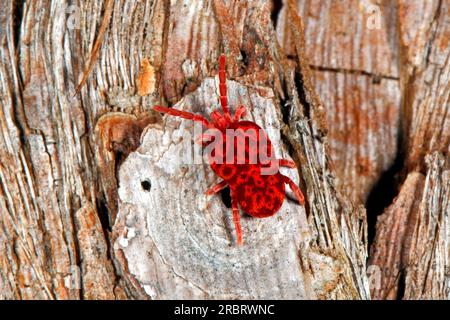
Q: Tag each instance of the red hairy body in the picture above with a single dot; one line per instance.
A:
(237, 159)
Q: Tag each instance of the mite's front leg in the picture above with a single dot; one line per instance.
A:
(183, 114)
(216, 188)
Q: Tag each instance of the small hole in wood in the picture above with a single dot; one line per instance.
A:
(146, 185)
(244, 58)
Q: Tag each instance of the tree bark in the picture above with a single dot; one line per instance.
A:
(97, 203)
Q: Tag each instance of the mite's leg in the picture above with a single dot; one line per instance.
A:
(183, 114)
(223, 87)
(216, 188)
(298, 193)
(240, 112)
(236, 218)
(287, 163)
(218, 119)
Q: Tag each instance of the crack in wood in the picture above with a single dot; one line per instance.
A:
(376, 78)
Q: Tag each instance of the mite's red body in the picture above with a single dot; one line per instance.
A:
(259, 195)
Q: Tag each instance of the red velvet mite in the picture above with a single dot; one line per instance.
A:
(258, 193)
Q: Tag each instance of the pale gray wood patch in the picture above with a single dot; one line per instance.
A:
(193, 236)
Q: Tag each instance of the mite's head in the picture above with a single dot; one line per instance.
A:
(221, 121)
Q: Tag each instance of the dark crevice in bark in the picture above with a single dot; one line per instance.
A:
(401, 285)
(19, 118)
(119, 157)
(285, 104)
(103, 215)
(299, 84)
(244, 64)
(17, 20)
(277, 5)
(285, 110)
(383, 194)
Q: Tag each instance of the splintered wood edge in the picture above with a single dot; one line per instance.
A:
(407, 247)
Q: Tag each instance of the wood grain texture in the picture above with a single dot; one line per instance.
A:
(426, 52)
(412, 236)
(414, 256)
(352, 48)
(427, 263)
(178, 237)
(394, 230)
(345, 92)
(47, 167)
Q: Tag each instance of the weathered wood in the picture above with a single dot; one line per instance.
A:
(353, 53)
(425, 78)
(93, 204)
(190, 243)
(174, 232)
(381, 69)
(415, 255)
(412, 238)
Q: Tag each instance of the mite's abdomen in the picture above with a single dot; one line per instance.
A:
(258, 195)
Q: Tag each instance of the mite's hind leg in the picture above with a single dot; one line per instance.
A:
(234, 204)
(183, 114)
(287, 163)
(298, 193)
(216, 188)
(236, 218)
